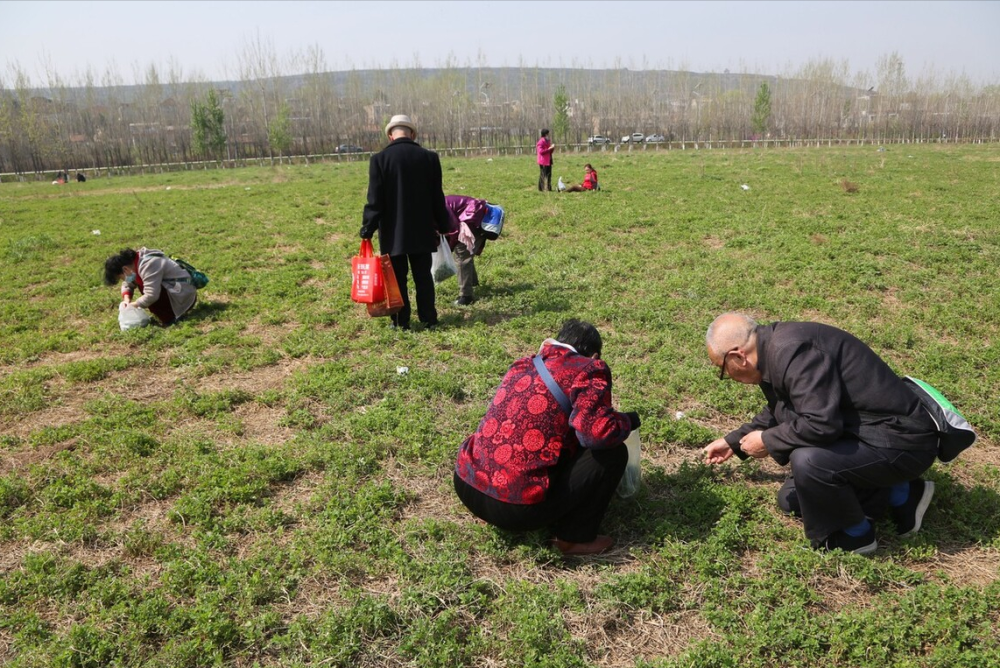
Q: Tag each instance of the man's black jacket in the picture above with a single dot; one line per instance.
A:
(405, 199)
(824, 385)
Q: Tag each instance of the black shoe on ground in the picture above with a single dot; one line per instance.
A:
(431, 327)
(464, 301)
(910, 515)
(839, 540)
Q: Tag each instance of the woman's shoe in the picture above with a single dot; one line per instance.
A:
(599, 545)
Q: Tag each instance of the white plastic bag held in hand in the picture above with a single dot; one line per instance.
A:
(442, 263)
(629, 483)
(132, 317)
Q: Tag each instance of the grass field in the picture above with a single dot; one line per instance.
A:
(260, 485)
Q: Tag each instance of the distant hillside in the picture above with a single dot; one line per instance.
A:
(508, 82)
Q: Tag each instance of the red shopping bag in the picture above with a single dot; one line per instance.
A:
(393, 296)
(366, 276)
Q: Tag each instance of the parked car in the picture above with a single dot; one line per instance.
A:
(348, 148)
(635, 138)
(598, 139)
(655, 139)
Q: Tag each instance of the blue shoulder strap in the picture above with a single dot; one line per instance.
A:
(550, 383)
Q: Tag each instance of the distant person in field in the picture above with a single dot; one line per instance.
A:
(166, 287)
(406, 207)
(856, 436)
(550, 451)
(589, 181)
(80, 178)
(544, 149)
(468, 238)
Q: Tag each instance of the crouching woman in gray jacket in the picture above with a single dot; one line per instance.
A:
(166, 287)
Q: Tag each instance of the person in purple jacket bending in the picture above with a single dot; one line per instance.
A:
(469, 236)
(550, 451)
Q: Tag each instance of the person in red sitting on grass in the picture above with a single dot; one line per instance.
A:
(534, 463)
(589, 181)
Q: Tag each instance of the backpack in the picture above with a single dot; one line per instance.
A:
(492, 223)
(199, 279)
(955, 432)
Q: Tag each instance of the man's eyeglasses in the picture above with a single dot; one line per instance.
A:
(722, 368)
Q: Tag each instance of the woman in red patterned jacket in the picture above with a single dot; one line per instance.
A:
(531, 464)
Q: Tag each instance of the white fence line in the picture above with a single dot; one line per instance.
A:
(468, 152)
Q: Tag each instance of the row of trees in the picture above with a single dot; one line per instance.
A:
(269, 113)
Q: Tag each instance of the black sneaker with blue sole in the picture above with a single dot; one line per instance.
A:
(909, 517)
(838, 540)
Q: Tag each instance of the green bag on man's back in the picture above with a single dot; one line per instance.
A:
(955, 431)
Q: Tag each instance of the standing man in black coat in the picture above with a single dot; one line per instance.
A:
(856, 437)
(406, 206)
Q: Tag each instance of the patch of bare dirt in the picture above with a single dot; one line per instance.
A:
(144, 384)
(965, 567)
(254, 381)
(52, 359)
(270, 333)
(284, 249)
(984, 453)
(261, 424)
(65, 409)
(622, 641)
(152, 516)
(432, 497)
(15, 461)
(297, 493)
(714, 242)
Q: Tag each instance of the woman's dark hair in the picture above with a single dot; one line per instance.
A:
(113, 265)
(587, 166)
(545, 132)
(581, 335)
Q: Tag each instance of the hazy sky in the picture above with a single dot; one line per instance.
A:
(208, 39)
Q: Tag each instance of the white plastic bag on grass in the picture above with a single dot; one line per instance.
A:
(442, 263)
(629, 483)
(130, 317)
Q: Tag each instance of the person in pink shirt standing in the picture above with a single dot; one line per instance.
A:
(544, 148)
